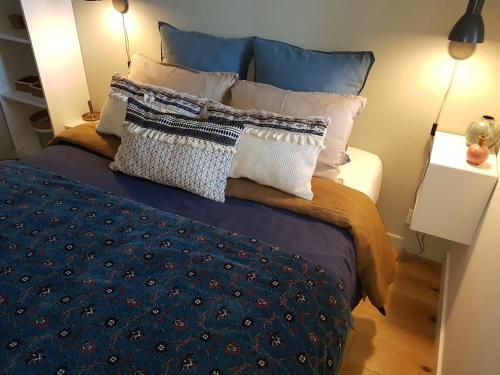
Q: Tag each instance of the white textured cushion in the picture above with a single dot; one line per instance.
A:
(275, 150)
(211, 85)
(114, 109)
(176, 150)
(113, 115)
(342, 110)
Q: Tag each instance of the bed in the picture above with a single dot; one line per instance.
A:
(103, 272)
(48, 286)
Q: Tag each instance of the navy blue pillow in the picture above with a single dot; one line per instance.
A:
(204, 51)
(293, 68)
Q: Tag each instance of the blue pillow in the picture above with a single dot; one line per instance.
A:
(293, 68)
(205, 52)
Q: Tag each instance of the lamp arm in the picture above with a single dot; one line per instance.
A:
(445, 98)
(126, 40)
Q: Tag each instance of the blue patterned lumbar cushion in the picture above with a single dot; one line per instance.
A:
(293, 68)
(114, 110)
(176, 150)
(205, 52)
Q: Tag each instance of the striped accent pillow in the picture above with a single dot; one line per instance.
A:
(262, 119)
(275, 150)
(114, 110)
(176, 150)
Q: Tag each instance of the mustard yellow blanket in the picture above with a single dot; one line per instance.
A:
(87, 137)
(333, 203)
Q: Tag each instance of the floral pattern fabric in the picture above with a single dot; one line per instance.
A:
(93, 283)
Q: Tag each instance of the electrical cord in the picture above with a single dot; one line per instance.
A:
(434, 127)
(127, 43)
(421, 180)
(421, 243)
(445, 98)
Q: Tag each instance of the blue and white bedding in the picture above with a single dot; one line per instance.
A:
(92, 282)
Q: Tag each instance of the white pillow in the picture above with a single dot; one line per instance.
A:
(275, 150)
(114, 110)
(113, 115)
(342, 110)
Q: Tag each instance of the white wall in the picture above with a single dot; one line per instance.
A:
(471, 342)
(404, 90)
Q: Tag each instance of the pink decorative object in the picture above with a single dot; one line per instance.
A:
(478, 153)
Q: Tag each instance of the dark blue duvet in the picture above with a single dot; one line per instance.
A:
(95, 283)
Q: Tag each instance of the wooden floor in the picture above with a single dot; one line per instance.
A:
(402, 343)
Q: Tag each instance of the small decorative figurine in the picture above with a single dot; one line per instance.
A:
(478, 153)
(92, 115)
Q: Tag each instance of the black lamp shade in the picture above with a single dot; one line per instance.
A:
(470, 27)
(120, 5)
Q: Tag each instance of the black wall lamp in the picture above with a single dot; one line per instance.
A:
(463, 37)
(120, 5)
(470, 27)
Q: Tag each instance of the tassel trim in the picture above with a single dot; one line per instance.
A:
(178, 140)
(284, 136)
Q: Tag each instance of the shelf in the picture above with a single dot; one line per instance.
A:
(23, 97)
(14, 35)
(79, 122)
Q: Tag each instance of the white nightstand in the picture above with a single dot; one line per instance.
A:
(454, 193)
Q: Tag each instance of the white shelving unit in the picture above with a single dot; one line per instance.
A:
(16, 61)
(49, 48)
(24, 97)
(19, 36)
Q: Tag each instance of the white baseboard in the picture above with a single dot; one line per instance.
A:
(435, 249)
(396, 240)
(441, 319)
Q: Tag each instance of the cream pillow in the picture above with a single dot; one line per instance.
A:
(342, 110)
(115, 108)
(211, 85)
(275, 150)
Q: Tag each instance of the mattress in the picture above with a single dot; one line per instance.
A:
(362, 173)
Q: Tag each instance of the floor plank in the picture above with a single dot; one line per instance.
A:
(403, 341)
(351, 368)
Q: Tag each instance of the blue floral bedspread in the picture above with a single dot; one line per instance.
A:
(93, 283)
